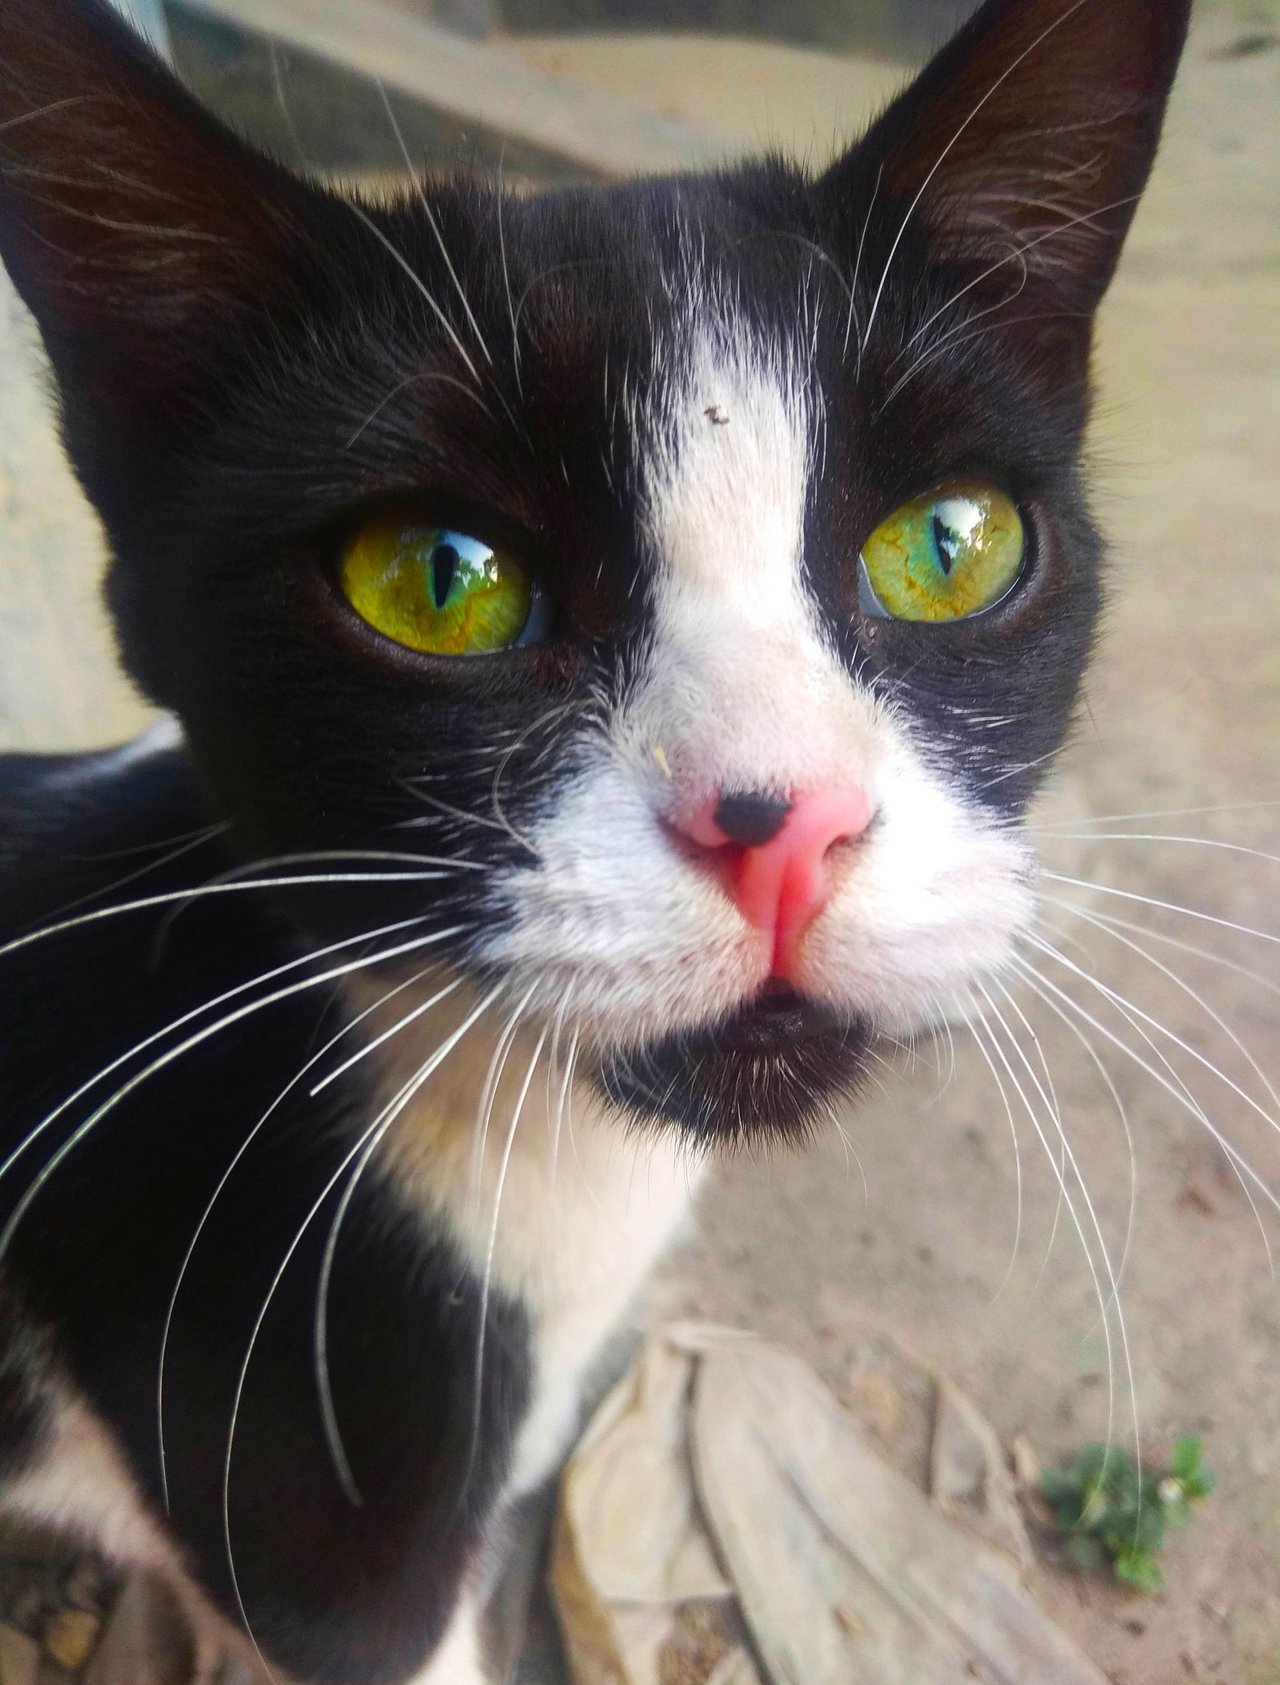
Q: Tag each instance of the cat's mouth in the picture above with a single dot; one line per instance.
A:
(770, 1069)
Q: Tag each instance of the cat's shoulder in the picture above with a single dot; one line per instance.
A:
(75, 825)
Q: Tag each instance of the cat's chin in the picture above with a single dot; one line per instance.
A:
(769, 1072)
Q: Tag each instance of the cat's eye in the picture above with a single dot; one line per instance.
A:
(952, 553)
(439, 590)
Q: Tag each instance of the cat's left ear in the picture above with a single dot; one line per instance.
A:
(1019, 153)
(141, 232)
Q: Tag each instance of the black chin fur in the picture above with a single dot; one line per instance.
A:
(764, 1075)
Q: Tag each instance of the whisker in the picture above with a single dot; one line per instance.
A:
(385, 1036)
(217, 1194)
(187, 845)
(1128, 1006)
(1163, 813)
(1185, 987)
(1148, 837)
(1009, 257)
(435, 377)
(1122, 1113)
(389, 246)
(1154, 935)
(1165, 906)
(1104, 1301)
(566, 1085)
(1017, 1149)
(952, 143)
(851, 1154)
(320, 1333)
(486, 1286)
(857, 272)
(239, 886)
(506, 277)
(171, 1054)
(1177, 1090)
(415, 177)
(376, 1129)
(489, 1091)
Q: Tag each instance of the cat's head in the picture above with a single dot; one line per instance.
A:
(699, 566)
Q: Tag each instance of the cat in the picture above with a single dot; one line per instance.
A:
(610, 639)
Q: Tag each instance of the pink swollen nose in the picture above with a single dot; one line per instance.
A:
(781, 886)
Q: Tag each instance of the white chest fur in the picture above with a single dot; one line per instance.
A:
(553, 1203)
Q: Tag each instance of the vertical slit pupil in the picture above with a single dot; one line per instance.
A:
(444, 568)
(946, 544)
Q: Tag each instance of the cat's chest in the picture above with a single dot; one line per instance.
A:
(550, 1203)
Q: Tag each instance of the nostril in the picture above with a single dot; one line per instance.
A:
(751, 819)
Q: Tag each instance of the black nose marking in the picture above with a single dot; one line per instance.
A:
(752, 819)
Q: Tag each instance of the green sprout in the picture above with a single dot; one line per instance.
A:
(1113, 1511)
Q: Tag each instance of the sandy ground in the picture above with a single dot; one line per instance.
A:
(1184, 712)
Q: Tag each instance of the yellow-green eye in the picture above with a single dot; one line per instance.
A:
(946, 555)
(434, 588)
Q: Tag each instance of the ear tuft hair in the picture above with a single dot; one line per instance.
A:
(1023, 148)
(133, 224)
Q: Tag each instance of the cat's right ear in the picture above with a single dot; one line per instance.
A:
(138, 230)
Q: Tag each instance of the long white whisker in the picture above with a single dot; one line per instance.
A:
(1179, 983)
(1176, 1090)
(857, 272)
(227, 1174)
(374, 1130)
(167, 1058)
(324, 1386)
(1159, 813)
(566, 1085)
(384, 1036)
(187, 845)
(1153, 935)
(1133, 1016)
(1129, 1006)
(239, 886)
(1122, 1113)
(1164, 906)
(1149, 837)
(851, 1154)
(1103, 1299)
(486, 1286)
(362, 216)
(416, 178)
(489, 1092)
(1017, 1147)
(1009, 257)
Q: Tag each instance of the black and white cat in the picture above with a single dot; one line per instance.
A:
(615, 635)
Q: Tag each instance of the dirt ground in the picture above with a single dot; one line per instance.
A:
(1183, 713)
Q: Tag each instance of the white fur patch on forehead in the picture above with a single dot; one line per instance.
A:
(742, 688)
(725, 485)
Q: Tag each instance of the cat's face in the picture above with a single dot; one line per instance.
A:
(791, 580)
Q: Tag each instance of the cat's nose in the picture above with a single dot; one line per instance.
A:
(772, 855)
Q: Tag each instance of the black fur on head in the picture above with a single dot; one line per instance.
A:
(247, 362)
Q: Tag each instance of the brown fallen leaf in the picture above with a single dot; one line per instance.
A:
(969, 1478)
(808, 1520)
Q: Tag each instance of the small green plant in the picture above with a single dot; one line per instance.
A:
(1115, 1512)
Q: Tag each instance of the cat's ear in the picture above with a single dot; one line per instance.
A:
(134, 225)
(1022, 150)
